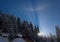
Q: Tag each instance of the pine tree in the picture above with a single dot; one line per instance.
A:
(31, 25)
(25, 28)
(58, 33)
(0, 12)
(18, 24)
(37, 28)
(15, 25)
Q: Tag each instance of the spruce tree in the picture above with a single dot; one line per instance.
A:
(31, 25)
(18, 24)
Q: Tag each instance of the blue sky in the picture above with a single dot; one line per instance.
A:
(45, 13)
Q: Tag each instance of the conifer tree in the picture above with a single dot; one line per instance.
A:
(18, 24)
(31, 25)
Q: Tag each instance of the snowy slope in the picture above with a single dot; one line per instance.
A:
(2, 39)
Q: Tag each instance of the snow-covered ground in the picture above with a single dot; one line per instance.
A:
(19, 40)
(2, 39)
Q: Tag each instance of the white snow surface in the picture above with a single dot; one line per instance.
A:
(2, 39)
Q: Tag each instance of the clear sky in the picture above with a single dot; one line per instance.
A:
(45, 13)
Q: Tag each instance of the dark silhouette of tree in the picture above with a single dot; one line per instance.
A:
(38, 28)
(58, 33)
(18, 24)
(15, 24)
(35, 30)
(1, 23)
(25, 28)
(31, 25)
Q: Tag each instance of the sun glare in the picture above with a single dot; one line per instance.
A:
(40, 34)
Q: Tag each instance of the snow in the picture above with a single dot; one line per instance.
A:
(18, 40)
(19, 35)
(2, 39)
(4, 34)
